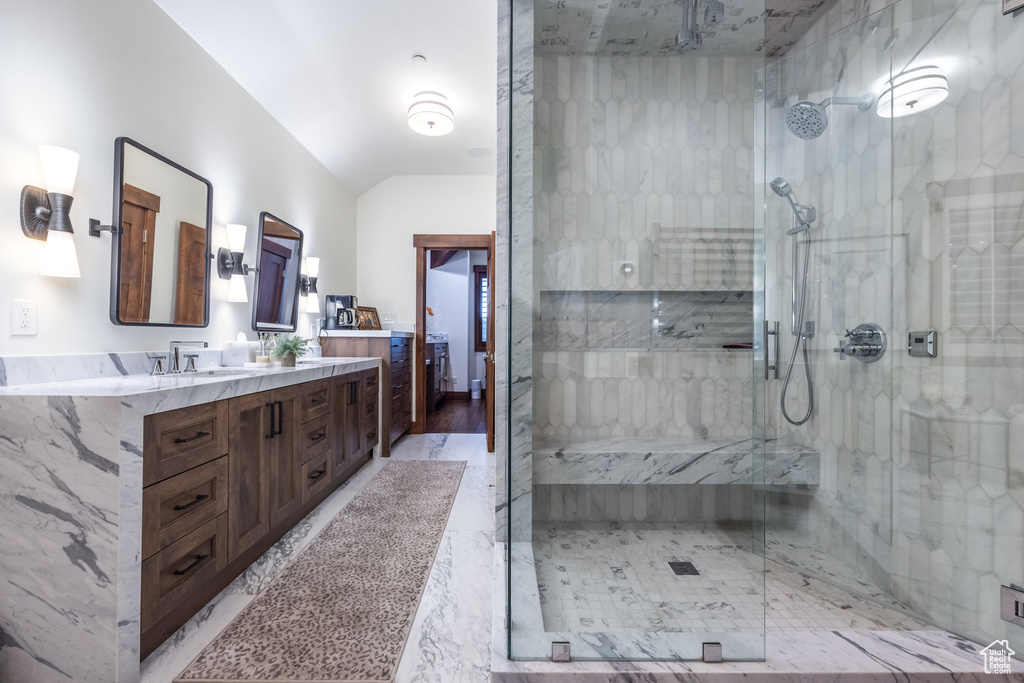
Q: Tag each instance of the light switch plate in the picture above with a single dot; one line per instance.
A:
(560, 652)
(1011, 605)
(23, 318)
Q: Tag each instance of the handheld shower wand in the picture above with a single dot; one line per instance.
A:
(805, 215)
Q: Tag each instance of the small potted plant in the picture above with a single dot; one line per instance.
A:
(288, 347)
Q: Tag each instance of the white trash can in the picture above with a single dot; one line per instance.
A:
(474, 388)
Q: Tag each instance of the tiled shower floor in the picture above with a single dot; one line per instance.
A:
(617, 577)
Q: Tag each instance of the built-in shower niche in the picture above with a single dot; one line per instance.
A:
(643, 320)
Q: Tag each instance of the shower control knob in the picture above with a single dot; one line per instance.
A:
(867, 343)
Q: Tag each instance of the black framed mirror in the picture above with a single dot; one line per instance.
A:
(275, 306)
(160, 264)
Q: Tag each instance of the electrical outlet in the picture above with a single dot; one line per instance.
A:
(23, 318)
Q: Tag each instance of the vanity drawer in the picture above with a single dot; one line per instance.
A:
(180, 504)
(315, 400)
(179, 440)
(316, 476)
(371, 383)
(317, 437)
(182, 568)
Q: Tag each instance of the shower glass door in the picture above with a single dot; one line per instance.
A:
(636, 467)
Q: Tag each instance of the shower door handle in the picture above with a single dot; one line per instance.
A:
(773, 367)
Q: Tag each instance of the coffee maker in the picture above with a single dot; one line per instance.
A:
(342, 312)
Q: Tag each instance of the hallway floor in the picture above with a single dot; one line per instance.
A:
(458, 416)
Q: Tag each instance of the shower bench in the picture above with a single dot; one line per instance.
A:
(644, 460)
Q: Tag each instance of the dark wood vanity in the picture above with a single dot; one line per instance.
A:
(395, 353)
(226, 480)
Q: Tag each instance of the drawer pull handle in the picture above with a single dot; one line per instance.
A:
(408, 412)
(319, 399)
(198, 435)
(318, 437)
(370, 407)
(280, 418)
(370, 435)
(186, 506)
(370, 382)
(318, 474)
(195, 563)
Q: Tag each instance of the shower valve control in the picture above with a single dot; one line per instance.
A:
(866, 343)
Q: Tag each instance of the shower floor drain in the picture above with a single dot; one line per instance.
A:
(684, 568)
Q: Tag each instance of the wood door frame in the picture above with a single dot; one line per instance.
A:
(423, 244)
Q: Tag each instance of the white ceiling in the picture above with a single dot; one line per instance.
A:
(339, 75)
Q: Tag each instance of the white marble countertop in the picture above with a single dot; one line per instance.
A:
(205, 385)
(366, 333)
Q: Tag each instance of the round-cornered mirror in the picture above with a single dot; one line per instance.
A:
(160, 265)
(275, 306)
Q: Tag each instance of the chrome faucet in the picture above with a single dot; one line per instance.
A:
(174, 357)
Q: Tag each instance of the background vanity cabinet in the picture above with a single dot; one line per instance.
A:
(395, 353)
(224, 481)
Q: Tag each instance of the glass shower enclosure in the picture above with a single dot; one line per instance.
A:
(635, 515)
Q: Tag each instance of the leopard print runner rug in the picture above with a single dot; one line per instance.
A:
(342, 610)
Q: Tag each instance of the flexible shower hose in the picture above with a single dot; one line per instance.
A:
(801, 340)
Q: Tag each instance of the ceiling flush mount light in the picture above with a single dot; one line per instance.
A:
(912, 91)
(46, 214)
(430, 114)
(231, 266)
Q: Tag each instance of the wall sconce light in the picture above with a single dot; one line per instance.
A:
(46, 214)
(912, 91)
(430, 114)
(230, 264)
(307, 283)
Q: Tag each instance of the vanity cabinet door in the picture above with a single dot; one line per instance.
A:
(285, 454)
(342, 399)
(248, 471)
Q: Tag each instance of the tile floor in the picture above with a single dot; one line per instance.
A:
(616, 577)
(451, 638)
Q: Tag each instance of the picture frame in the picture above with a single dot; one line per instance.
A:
(368, 318)
(1010, 6)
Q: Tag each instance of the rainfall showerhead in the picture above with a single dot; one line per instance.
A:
(808, 120)
(804, 214)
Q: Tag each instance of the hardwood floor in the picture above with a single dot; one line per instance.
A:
(458, 416)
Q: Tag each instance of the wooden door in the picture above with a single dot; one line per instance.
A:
(138, 235)
(284, 459)
(273, 263)
(190, 297)
(248, 476)
(489, 355)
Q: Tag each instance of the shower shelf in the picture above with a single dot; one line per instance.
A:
(645, 460)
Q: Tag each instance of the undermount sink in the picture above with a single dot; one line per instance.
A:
(226, 372)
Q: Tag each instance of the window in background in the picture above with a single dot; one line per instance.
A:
(483, 293)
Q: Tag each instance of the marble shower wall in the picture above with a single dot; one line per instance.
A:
(643, 161)
(643, 244)
(922, 487)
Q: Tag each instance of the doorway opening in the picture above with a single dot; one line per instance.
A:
(454, 335)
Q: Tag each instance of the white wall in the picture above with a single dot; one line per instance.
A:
(123, 67)
(389, 214)
(446, 297)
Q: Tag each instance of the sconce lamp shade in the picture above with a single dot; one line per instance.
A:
(312, 266)
(60, 258)
(431, 115)
(313, 303)
(60, 167)
(236, 237)
(236, 289)
(912, 91)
